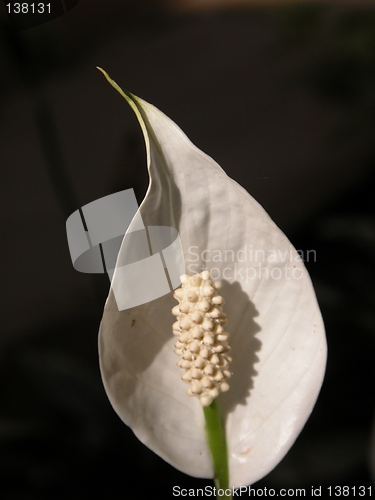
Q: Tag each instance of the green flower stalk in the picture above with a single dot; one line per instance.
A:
(203, 347)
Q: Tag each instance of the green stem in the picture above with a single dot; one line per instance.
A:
(215, 433)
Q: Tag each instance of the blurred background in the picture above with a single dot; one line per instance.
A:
(282, 96)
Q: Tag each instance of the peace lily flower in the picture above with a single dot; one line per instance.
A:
(276, 333)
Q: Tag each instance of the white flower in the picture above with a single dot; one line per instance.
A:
(277, 339)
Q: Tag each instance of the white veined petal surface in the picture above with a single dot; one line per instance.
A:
(276, 330)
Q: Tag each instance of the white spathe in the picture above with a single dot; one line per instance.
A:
(276, 329)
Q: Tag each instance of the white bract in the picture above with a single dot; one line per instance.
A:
(277, 338)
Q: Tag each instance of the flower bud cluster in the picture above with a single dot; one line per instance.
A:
(202, 342)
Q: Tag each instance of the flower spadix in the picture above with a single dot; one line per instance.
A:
(277, 338)
(202, 341)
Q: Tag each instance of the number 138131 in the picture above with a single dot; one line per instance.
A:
(345, 491)
(29, 8)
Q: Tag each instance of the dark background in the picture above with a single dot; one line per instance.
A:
(283, 97)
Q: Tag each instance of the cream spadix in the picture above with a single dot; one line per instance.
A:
(202, 342)
(277, 338)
